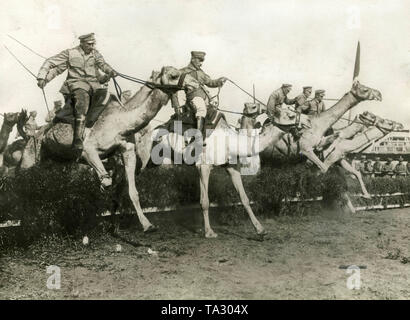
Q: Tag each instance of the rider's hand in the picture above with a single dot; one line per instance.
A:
(41, 83)
(223, 80)
(113, 74)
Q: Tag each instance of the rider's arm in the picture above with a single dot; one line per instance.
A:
(209, 82)
(57, 61)
(289, 101)
(54, 72)
(101, 64)
(175, 103)
(271, 102)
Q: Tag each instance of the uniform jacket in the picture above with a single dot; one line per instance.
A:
(358, 165)
(203, 79)
(301, 103)
(31, 126)
(387, 167)
(276, 99)
(400, 168)
(368, 167)
(316, 107)
(82, 68)
(378, 166)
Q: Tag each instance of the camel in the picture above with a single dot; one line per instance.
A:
(359, 124)
(361, 140)
(218, 153)
(312, 137)
(10, 119)
(113, 132)
(224, 146)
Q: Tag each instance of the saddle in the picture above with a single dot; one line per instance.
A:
(188, 121)
(98, 103)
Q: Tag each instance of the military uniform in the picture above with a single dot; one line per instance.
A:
(377, 167)
(301, 101)
(199, 98)
(316, 106)
(368, 168)
(82, 69)
(83, 78)
(31, 126)
(387, 169)
(276, 100)
(401, 169)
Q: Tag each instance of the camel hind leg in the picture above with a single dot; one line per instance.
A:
(237, 182)
(346, 165)
(204, 172)
(130, 161)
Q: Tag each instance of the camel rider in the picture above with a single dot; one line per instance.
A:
(199, 99)
(301, 100)
(401, 169)
(277, 98)
(83, 78)
(57, 107)
(387, 168)
(316, 106)
(31, 126)
(377, 167)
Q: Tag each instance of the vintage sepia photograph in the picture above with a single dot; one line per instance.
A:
(204, 150)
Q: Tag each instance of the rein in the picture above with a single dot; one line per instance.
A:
(149, 84)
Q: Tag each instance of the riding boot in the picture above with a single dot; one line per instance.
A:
(200, 125)
(79, 127)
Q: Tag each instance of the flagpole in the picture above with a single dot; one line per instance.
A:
(356, 72)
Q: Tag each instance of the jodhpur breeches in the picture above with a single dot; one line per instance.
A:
(82, 101)
(199, 106)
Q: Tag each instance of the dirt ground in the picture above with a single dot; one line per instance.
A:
(300, 258)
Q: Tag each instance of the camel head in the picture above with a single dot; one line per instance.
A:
(368, 118)
(362, 92)
(397, 126)
(11, 118)
(389, 125)
(170, 76)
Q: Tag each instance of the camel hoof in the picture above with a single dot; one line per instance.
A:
(151, 229)
(262, 232)
(211, 234)
(106, 182)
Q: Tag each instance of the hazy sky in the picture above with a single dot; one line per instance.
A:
(260, 42)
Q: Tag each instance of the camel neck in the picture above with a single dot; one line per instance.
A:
(329, 117)
(368, 136)
(143, 107)
(6, 128)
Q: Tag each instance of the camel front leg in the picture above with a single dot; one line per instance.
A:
(330, 148)
(312, 157)
(237, 182)
(130, 162)
(204, 172)
(348, 167)
(90, 154)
